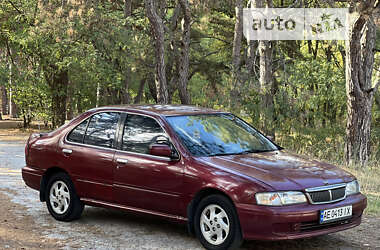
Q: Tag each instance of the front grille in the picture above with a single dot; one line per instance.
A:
(326, 194)
(321, 196)
(338, 193)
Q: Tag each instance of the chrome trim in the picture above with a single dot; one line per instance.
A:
(124, 151)
(325, 188)
(66, 151)
(121, 161)
(87, 145)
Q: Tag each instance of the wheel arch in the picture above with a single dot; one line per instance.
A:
(45, 179)
(191, 208)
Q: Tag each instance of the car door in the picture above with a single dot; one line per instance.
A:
(142, 180)
(88, 151)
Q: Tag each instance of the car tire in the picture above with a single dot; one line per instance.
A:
(216, 223)
(61, 199)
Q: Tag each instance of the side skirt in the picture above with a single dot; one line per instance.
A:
(97, 203)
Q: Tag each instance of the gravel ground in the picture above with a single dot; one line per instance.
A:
(26, 224)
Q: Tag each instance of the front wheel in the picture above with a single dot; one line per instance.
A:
(61, 199)
(216, 223)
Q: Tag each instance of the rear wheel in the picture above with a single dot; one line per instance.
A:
(61, 199)
(216, 223)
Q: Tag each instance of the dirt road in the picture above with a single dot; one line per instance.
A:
(26, 224)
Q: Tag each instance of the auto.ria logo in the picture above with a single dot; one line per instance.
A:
(295, 24)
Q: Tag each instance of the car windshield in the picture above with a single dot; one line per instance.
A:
(219, 134)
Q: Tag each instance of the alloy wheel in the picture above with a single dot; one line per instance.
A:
(59, 197)
(215, 225)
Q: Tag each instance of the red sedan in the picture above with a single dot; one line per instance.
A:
(203, 167)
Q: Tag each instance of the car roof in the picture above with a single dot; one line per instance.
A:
(161, 109)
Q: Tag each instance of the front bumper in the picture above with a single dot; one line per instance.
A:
(297, 221)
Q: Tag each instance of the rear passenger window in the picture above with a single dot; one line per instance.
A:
(77, 134)
(139, 133)
(101, 129)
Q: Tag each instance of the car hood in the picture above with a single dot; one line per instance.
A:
(281, 170)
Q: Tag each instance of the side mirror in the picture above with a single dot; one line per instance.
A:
(162, 150)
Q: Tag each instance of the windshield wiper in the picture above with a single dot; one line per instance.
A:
(252, 151)
(221, 154)
(242, 153)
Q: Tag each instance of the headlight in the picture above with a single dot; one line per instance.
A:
(352, 187)
(280, 198)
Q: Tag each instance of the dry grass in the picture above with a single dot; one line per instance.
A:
(369, 179)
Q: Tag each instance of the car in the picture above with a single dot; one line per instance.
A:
(206, 168)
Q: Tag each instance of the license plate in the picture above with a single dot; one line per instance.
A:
(334, 214)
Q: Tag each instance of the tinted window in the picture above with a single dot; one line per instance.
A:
(220, 134)
(139, 133)
(77, 134)
(101, 130)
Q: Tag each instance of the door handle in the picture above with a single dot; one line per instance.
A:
(67, 151)
(122, 161)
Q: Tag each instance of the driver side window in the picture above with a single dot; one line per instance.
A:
(139, 133)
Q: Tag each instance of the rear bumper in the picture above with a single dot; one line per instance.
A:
(32, 177)
(293, 222)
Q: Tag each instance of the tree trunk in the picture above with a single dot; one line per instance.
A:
(152, 89)
(13, 110)
(127, 8)
(377, 99)
(4, 100)
(125, 96)
(266, 86)
(267, 83)
(58, 81)
(238, 35)
(359, 90)
(12, 105)
(140, 92)
(236, 54)
(97, 95)
(183, 67)
(172, 85)
(70, 101)
(172, 54)
(159, 37)
(250, 62)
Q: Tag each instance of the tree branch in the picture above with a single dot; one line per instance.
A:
(9, 51)
(15, 7)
